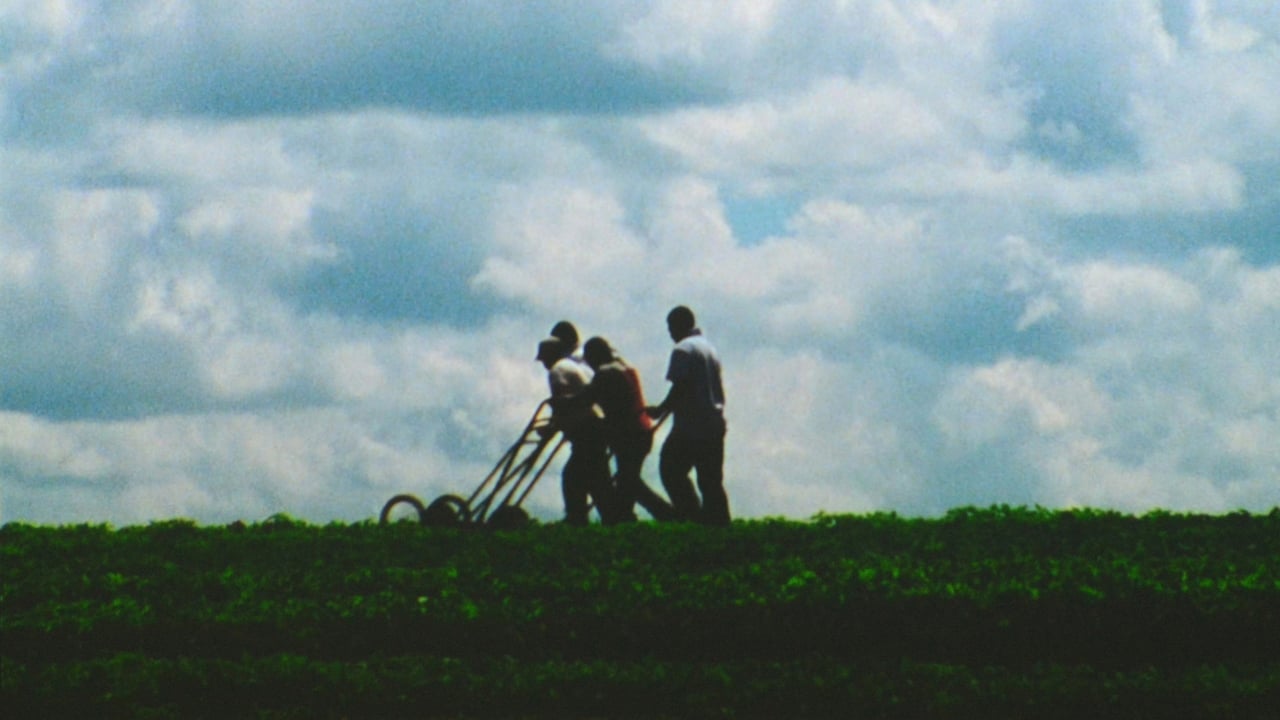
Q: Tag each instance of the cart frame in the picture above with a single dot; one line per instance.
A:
(497, 501)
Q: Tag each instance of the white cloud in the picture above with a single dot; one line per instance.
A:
(1017, 398)
(1221, 34)
(1067, 433)
(88, 229)
(560, 247)
(272, 226)
(260, 259)
(699, 32)
(836, 126)
(834, 123)
(355, 369)
(1110, 294)
(18, 265)
(188, 306)
(1141, 416)
(807, 435)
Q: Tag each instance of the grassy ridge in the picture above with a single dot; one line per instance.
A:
(1006, 610)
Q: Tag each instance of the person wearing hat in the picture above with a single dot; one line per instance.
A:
(586, 473)
(615, 389)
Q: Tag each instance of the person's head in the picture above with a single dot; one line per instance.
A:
(550, 351)
(597, 352)
(567, 333)
(680, 322)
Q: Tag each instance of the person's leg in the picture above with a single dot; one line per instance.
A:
(674, 464)
(624, 456)
(600, 485)
(710, 468)
(573, 484)
(653, 503)
(631, 486)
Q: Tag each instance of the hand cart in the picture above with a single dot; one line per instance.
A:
(496, 503)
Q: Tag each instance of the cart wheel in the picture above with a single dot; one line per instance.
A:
(447, 511)
(409, 500)
(508, 517)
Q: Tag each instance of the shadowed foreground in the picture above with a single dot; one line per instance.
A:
(1004, 612)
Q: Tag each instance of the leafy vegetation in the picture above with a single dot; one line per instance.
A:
(1003, 612)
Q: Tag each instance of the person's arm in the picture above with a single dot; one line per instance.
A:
(578, 402)
(565, 404)
(677, 394)
(571, 403)
(676, 373)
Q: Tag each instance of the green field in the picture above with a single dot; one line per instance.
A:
(992, 613)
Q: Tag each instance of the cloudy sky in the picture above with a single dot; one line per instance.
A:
(263, 256)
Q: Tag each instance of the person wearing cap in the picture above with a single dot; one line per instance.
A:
(615, 389)
(696, 440)
(586, 473)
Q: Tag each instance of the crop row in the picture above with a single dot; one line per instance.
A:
(296, 686)
(975, 556)
(1010, 611)
(1058, 583)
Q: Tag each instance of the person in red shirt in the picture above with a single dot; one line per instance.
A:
(615, 389)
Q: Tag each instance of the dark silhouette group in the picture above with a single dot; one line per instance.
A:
(598, 403)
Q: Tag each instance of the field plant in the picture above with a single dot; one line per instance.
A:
(995, 612)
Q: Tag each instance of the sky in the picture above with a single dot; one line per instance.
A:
(274, 256)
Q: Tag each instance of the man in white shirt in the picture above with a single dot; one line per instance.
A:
(587, 470)
(696, 440)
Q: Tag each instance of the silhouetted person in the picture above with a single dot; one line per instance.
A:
(696, 440)
(587, 470)
(568, 334)
(615, 388)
